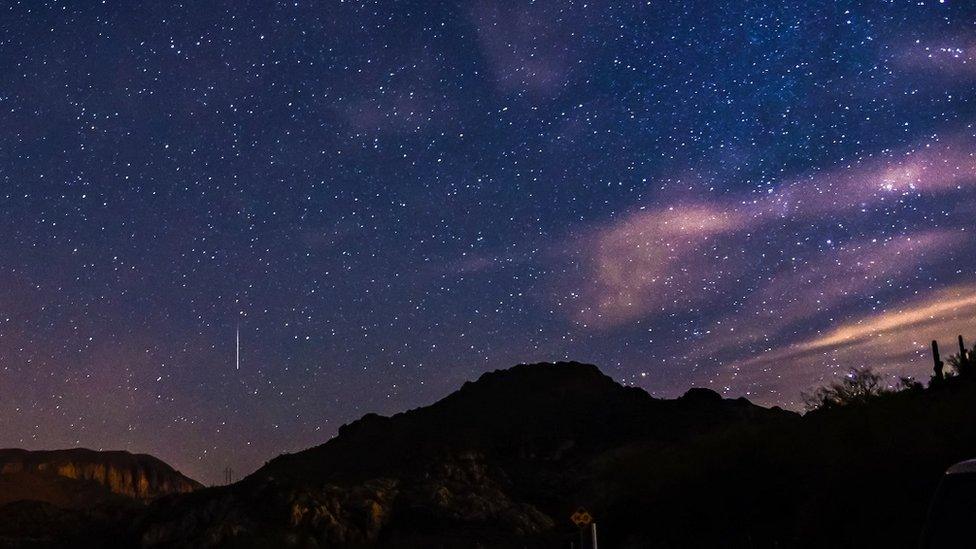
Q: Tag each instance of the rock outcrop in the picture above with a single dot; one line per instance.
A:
(46, 476)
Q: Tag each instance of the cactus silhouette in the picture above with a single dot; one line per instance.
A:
(965, 359)
(939, 365)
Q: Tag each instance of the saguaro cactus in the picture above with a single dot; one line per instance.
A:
(939, 365)
(964, 358)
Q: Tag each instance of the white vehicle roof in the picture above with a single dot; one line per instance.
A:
(968, 466)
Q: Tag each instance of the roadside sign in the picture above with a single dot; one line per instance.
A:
(581, 517)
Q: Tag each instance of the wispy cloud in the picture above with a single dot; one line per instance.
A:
(669, 257)
(803, 293)
(894, 340)
(953, 56)
(649, 260)
(526, 49)
(933, 310)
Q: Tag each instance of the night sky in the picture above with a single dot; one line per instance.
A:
(387, 199)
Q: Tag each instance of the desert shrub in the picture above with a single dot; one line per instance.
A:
(860, 385)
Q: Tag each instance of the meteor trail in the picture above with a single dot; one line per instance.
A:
(238, 355)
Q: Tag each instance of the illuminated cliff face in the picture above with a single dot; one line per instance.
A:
(136, 476)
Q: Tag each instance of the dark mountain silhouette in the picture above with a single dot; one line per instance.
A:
(505, 460)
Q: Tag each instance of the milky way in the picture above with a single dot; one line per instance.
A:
(391, 198)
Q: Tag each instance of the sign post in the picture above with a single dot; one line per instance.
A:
(583, 519)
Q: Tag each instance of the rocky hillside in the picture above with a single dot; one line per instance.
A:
(504, 458)
(78, 497)
(78, 477)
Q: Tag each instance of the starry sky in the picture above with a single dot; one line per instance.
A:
(386, 199)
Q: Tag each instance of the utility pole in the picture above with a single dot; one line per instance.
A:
(593, 535)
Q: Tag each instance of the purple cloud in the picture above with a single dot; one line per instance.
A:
(527, 49)
(674, 256)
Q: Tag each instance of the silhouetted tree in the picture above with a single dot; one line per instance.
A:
(909, 383)
(956, 362)
(858, 386)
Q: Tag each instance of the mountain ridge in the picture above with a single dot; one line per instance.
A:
(506, 459)
(496, 459)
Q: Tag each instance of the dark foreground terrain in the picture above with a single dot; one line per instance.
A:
(505, 460)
